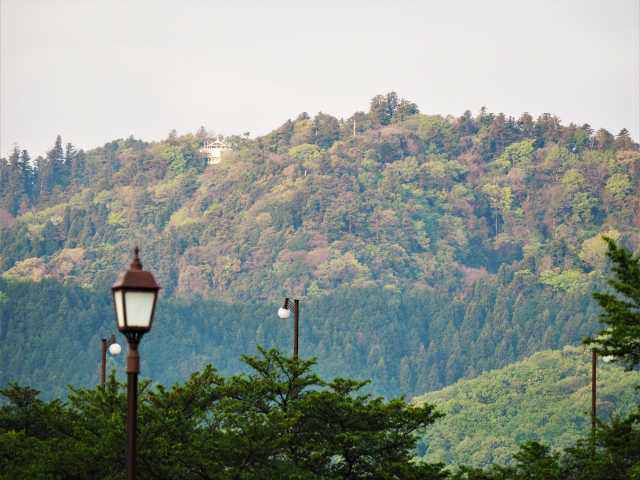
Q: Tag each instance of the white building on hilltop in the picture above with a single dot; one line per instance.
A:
(213, 150)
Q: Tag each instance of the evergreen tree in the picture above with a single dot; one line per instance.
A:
(623, 140)
(621, 314)
(66, 174)
(325, 130)
(55, 157)
(202, 134)
(27, 173)
(405, 110)
(78, 168)
(383, 108)
(51, 169)
(603, 139)
(13, 188)
(280, 420)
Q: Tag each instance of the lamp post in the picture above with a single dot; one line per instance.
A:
(284, 312)
(114, 349)
(594, 367)
(134, 298)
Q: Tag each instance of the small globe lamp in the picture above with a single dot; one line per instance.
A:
(115, 349)
(284, 312)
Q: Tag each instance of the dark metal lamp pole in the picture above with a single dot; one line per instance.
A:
(134, 298)
(594, 363)
(114, 349)
(133, 369)
(284, 313)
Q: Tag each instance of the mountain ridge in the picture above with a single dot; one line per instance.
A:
(410, 199)
(441, 246)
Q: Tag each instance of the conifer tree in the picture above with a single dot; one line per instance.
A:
(51, 169)
(623, 140)
(621, 315)
(405, 109)
(78, 168)
(70, 154)
(603, 139)
(12, 190)
(383, 108)
(202, 134)
(27, 173)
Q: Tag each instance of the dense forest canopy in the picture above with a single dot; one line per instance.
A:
(406, 344)
(279, 419)
(392, 197)
(544, 398)
(425, 248)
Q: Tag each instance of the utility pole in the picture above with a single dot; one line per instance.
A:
(594, 361)
(296, 326)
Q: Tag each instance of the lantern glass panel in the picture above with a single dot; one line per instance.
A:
(118, 298)
(139, 308)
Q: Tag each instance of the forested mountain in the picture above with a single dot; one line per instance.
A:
(544, 398)
(424, 248)
(405, 343)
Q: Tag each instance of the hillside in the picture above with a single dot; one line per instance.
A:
(546, 397)
(424, 248)
(411, 200)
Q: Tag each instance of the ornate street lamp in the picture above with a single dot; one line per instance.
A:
(114, 349)
(284, 312)
(134, 298)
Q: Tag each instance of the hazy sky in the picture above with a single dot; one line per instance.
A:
(98, 70)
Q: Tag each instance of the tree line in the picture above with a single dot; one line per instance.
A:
(281, 420)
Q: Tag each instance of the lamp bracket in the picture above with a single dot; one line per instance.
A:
(133, 338)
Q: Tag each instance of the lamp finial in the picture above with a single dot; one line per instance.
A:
(136, 264)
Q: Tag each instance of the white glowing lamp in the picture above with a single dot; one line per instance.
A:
(283, 311)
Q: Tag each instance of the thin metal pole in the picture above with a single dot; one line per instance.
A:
(103, 365)
(296, 326)
(133, 368)
(594, 361)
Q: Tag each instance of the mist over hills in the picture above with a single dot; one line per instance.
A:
(425, 248)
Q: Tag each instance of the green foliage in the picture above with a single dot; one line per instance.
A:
(349, 195)
(614, 454)
(568, 280)
(594, 250)
(280, 420)
(406, 342)
(116, 219)
(618, 185)
(516, 155)
(545, 398)
(621, 308)
(418, 262)
(309, 156)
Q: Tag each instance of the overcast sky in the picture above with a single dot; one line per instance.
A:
(98, 70)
